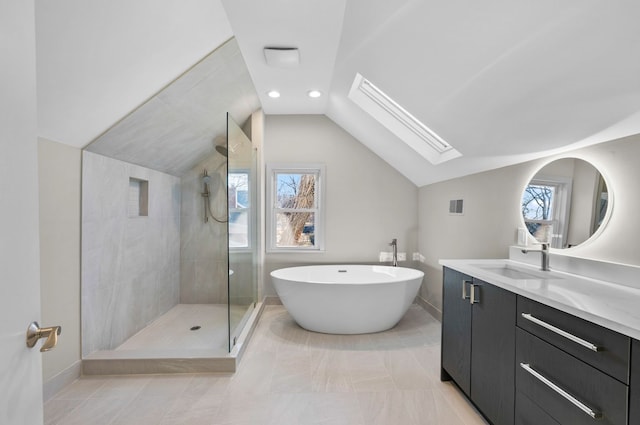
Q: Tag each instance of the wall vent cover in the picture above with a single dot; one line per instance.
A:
(456, 207)
(400, 122)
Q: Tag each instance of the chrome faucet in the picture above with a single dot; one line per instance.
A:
(544, 255)
(394, 244)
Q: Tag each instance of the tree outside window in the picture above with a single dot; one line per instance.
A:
(295, 217)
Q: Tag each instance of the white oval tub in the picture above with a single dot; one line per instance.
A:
(348, 299)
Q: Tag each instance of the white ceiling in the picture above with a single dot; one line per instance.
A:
(98, 60)
(502, 81)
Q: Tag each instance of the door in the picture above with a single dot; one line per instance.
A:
(20, 367)
(456, 329)
(493, 355)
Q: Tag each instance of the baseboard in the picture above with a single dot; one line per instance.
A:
(54, 384)
(430, 308)
(272, 300)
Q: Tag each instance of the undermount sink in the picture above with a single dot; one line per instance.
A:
(512, 272)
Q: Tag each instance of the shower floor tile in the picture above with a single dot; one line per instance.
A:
(172, 330)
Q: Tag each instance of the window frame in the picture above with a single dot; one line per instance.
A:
(250, 210)
(272, 171)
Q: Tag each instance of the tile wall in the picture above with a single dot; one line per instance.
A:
(204, 258)
(130, 264)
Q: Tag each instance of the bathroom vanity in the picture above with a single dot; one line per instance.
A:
(530, 347)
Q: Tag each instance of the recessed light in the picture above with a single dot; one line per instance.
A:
(274, 94)
(314, 93)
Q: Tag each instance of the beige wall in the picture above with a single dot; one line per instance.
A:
(367, 201)
(492, 213)
(59, 180)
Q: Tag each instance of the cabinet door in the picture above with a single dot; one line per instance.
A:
(493, 353)
(456, 329)
(634, 386)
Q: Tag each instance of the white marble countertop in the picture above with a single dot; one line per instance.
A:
(611, 305)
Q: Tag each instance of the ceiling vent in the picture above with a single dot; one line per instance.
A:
(282, 57)
(400, 122)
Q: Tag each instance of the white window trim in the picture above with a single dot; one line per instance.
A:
(251, 209)
(319, 232)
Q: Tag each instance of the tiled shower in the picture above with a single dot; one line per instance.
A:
(155, 274)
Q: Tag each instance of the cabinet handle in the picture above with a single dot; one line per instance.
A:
(560, 332)
(580, 405)
(473, 299)
(465, 296)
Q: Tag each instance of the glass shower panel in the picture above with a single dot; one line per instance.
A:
(242, 228)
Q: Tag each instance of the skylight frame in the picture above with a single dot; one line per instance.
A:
(400, 122)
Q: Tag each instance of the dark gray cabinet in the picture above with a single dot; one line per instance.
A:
(573, 370)
(529, 413)
(456, 329)
(478, 343)
(634, 397)
(525, 363)
(598, 346)
(567, 389)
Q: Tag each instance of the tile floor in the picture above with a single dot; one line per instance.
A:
(171, 331)
(288, 376)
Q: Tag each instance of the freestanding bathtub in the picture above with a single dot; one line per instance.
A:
(348, 299)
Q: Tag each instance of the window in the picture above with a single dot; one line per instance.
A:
(239, 209)
(545, 208)
(295, 216)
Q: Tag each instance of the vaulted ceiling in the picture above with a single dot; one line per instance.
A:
(501, 81)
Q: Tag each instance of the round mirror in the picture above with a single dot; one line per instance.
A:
(565, 203)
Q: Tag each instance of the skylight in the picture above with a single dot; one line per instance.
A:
(400, 122)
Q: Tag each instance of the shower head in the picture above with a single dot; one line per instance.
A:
(222, 150)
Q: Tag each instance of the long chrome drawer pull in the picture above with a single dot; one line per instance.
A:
(586, 409)
(560, 332)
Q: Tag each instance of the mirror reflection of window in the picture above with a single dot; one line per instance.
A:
(565, 202)
(544, 208)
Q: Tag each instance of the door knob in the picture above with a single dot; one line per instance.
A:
(35, 332)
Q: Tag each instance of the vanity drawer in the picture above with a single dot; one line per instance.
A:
(582, 394)
(529, 413)
(559, 329)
